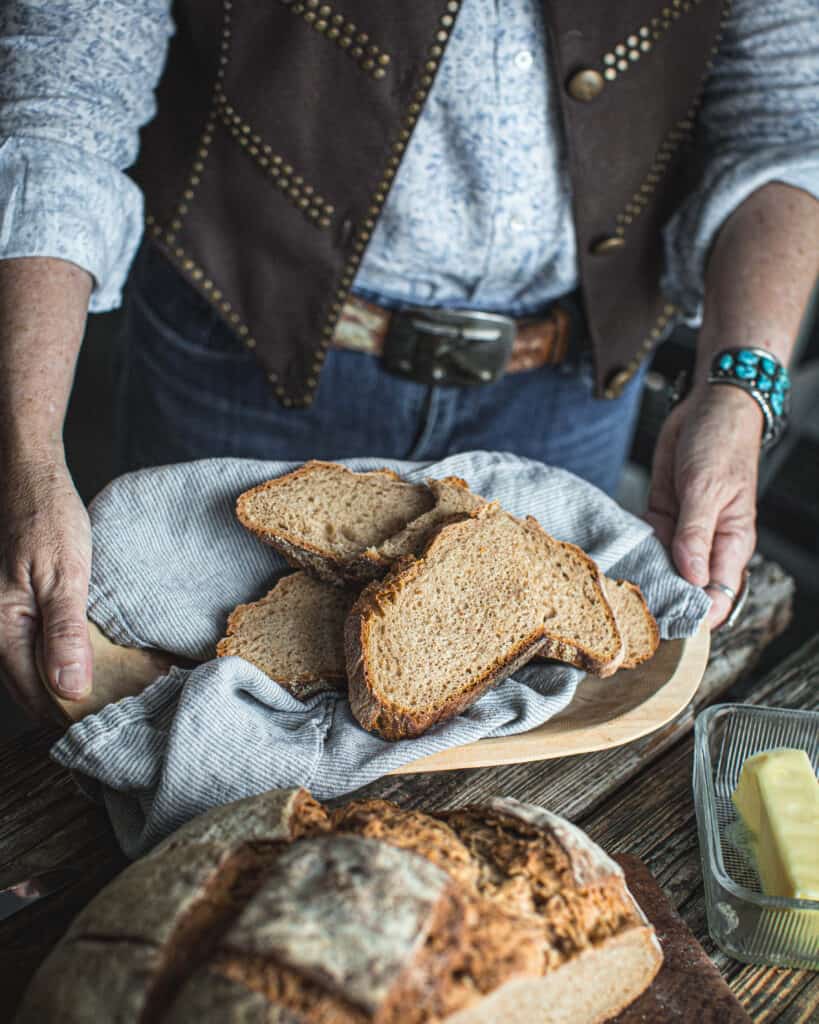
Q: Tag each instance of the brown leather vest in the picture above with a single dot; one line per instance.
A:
(282, 124)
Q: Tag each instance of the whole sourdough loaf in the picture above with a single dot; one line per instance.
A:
(294, 634)
(488, 593)
(273, 910)
(344, 526)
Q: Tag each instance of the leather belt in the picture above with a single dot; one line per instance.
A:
(457, 347)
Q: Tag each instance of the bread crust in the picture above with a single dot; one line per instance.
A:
(632, 661)
(376, 713)
(473, 938)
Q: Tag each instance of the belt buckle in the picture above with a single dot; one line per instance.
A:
(448, 347)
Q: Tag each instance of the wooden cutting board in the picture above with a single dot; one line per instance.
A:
(603, 713)
(689, 989)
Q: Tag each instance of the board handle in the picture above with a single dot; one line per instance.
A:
(118, 672)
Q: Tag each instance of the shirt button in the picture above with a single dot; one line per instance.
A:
(524, 60)
(516, 224)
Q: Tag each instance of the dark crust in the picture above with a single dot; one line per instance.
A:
(377, 714)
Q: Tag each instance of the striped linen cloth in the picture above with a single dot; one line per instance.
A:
(170, 563)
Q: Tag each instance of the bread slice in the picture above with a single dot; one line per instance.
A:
(294, 634)
(345, 526)
(488, 593)
(637, 624)
(634, 620)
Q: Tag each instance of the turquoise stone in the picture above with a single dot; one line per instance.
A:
(778, 403)
(764, 383)
(726, 362)
(747, 358)
(768, 365)
(745, 372)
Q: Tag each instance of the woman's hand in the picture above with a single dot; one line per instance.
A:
(45, 563)
(702, 502)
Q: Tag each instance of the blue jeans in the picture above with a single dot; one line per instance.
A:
(189, 390)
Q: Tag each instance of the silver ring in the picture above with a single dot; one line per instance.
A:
(740, 602)
(713, 584)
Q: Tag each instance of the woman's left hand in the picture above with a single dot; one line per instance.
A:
(702, 502)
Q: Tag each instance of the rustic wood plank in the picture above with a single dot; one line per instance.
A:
(654, 819)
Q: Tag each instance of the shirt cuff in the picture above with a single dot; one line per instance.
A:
(59, 201)
(728, 182)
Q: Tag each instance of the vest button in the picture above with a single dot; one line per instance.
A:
(608, 244)
(585, 85)
(616, 382)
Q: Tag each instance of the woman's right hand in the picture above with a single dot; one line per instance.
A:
(45, 564)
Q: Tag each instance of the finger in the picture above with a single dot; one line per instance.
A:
(663, 525)
(66, 647)
(730, 554)
(693, 537)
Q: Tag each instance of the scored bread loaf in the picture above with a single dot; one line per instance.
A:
(487, 594)
(294, 634)
(273, 910)
(344, 526)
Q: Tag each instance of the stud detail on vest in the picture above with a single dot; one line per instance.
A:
(360, 239)
(619, 378)
(626, 53)
(344, 33)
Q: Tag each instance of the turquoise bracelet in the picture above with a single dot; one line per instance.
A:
(764, 378)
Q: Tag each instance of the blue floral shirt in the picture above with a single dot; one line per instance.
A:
(480, 212)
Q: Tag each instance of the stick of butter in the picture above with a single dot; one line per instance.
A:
(778, 800)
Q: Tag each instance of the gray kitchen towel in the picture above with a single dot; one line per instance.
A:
(171, 561)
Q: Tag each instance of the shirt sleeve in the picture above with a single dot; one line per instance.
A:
(77, 80)
(759, 122)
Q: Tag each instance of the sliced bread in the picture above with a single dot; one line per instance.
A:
(634, 620)
(487, 594)
(345, 526)
(637, 624)
(294, 634)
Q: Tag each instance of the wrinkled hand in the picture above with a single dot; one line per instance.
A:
(702, 502)
(45, 563)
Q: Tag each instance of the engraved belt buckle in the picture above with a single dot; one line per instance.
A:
(448, 347)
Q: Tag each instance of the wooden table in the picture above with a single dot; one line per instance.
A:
(635, 798)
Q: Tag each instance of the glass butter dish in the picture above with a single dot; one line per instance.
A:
(744, 922)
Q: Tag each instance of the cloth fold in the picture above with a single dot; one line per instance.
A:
(170, 562)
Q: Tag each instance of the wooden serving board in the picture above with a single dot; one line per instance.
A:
(603, 713)
(688, 989)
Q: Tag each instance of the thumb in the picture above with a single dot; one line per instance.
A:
(694, 536)
(66, 647)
